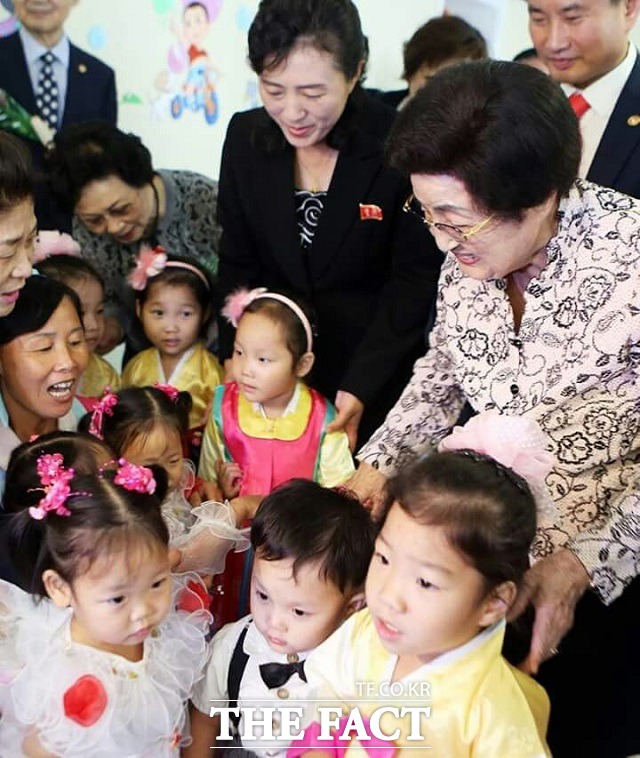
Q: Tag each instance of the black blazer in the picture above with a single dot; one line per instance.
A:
(616, 163)
(371, 282)
(91, 94)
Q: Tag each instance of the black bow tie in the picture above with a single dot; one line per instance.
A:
(277, 674)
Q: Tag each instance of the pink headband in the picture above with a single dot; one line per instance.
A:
(151, 261)
(236, 303)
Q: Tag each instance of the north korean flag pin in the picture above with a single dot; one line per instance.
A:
(370, 212)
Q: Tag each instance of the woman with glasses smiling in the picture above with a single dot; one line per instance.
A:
(537, 315)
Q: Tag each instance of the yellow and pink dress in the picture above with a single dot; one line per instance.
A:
(269, 452)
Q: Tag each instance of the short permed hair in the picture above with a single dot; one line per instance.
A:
(94, 150)
(506, 131)
(303, 521)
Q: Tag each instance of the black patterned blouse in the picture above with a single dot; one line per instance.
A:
(309, 206)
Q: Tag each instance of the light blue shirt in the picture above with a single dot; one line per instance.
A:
(33, 51)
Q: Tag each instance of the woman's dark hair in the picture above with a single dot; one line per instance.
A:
(486, 510)
(292, 326)
(39, 299)
(93, 150)
(177, 276)
(16, 181)
(303, 521)
(506, 131)
(331, 26)
(138, 412)
(68, 269)
(105, 517)
(442, 39)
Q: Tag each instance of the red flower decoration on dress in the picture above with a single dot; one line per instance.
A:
(85, 701)
(194, 597)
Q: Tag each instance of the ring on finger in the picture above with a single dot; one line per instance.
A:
(553, 651)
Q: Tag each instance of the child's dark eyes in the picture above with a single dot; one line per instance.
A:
(382, 558)
(262, 595)
(117, 600)
(159, 583)
(157, 312)
(299, 612)
(425, 584)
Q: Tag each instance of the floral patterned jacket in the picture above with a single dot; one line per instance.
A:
(573, 367)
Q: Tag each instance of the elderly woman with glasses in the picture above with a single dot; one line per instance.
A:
(538, 315)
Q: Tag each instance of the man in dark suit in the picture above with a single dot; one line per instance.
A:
(586, 47)
(81, 86)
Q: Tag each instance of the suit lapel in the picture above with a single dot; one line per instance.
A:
(619, 138)
(351, 179)
(279, 211)
(21, 88)
(76, 94)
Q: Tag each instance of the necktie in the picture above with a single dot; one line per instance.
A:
(277, 674)
(579, 104)
(47, 91)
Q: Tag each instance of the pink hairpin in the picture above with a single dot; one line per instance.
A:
(516, 442)
(135, 478)
(236, 303)
(104, 406)
(173, 393)
(55, 479)
(54, 243)
(152, 261)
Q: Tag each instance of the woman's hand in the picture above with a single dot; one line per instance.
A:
(113, 335)
(348, 419)
(229, 478)
(368, 484)
(553, 586)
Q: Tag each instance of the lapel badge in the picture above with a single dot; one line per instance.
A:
(370, 212)
(634, 120)
(82, 68)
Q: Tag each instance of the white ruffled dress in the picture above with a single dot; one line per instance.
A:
(87, 703)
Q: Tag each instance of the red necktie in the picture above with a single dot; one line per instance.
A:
(579, 104)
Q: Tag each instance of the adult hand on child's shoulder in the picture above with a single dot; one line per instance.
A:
(368, 485)
(350, 411)
(553, 586)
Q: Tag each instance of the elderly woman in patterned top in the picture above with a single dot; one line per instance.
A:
(119, 201)
(538, 314)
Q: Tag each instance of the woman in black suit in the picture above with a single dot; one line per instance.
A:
(307, 205)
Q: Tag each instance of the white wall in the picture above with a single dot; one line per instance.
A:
(135, 37)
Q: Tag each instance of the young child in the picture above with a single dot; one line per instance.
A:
(87, 283)
(267, 426)
(148, 426)
(173, 302)
(452, 548)
(307, 577)
(104, 667)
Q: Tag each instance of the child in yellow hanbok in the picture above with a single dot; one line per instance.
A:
(173, 302)
(88, 285)
(452, 548)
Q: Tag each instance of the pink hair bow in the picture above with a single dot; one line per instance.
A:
(173, 393)
(237, 301)
(54, 243)
(516, 442)
(149, 263)
(337, 747)
(135, 478)
(104, 406)
(55, 479)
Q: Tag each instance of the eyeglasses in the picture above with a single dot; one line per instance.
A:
(459, 234)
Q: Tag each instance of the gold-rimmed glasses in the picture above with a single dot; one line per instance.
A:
(458, 233)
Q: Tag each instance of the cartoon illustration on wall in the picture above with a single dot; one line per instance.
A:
(189, 84)
(8, 25)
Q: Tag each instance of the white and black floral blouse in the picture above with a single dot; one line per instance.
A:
(573, 367)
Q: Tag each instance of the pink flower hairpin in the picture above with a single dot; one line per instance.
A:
(55, 479)
(135, 478)
(173, 393)
(149, 263)
(236, 302)
(105, 406)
